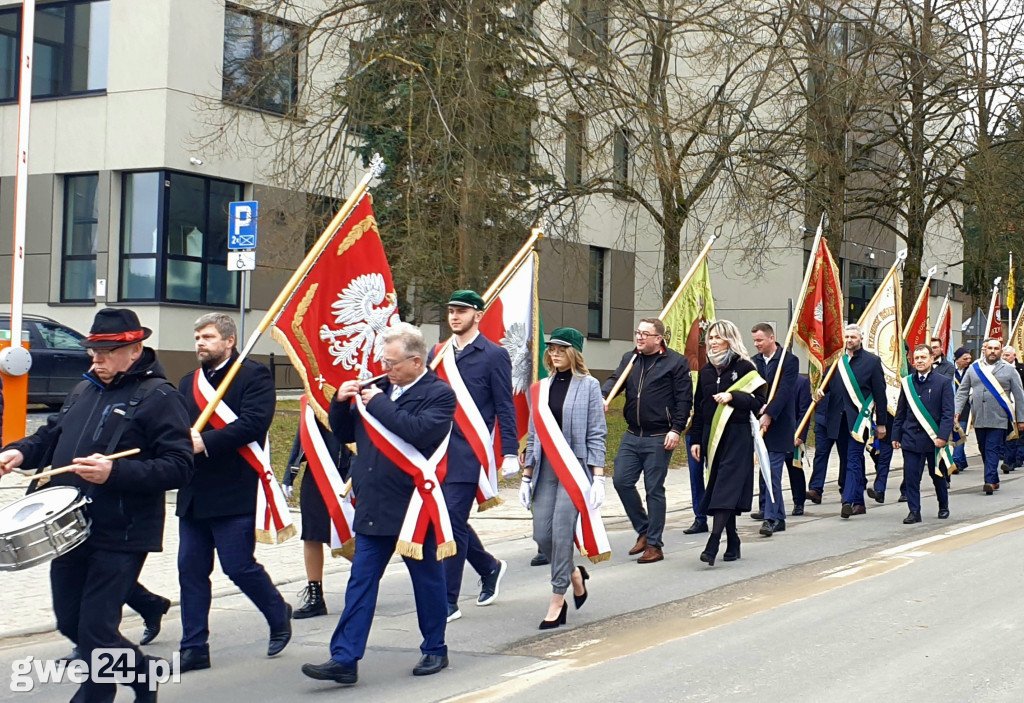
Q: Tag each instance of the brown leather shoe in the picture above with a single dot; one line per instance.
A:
(859, 510)
(814, 496)
(641, 545)
(989, 489)
(651, 555)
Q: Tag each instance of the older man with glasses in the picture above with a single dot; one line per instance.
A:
(659, 396)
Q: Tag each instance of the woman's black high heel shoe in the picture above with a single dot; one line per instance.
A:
(560, 620)
(710, 551)
(580, 600)
(732, 549)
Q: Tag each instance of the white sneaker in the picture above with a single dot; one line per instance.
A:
(491, 583)
(453, 613)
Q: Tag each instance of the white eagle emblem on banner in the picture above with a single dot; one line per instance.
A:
(516, 343)
(363, 310)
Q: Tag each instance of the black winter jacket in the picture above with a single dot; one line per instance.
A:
(659, 392)
(127, 510)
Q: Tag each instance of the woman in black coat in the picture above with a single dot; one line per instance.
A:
(730, 385)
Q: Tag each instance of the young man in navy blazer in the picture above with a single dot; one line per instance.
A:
(417, 406)
(486, 369)
(936, 394)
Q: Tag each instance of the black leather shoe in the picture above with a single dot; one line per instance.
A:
(757, 515)
(767, 528)
(732, 549)
(847, 511)
(798, 510)
(912, 517)
(430, 664)
(153, 622)
(72, 655)
(903, 499)
(194, 659)
(879, 496)
(696, 528)
(1006, 469)
(943, 513)
(540, 559)
(780, 525)
(331, 670)
(313, 604)
(280, 636)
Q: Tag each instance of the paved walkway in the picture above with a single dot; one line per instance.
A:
(27, 607)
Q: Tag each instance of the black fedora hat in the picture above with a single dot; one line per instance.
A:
(115, 327)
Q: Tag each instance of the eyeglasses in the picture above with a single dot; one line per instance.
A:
(388, 364)
(102, 353)
(644, 335)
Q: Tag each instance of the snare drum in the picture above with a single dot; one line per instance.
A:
(42, 526)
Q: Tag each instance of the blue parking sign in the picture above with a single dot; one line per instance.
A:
(242, 219)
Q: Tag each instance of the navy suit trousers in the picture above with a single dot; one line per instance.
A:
(913, 470)
(460, 498)
(990, 442)
(234, 540)
(696, 478)
(348, 643)
(822, 448)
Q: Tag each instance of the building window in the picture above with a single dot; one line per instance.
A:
(864, 281)
(81, 218)
(69, 54)
(621, 156)
(261, 61)
(595, 292)
(174, 234)
(588, 27)
(575, 128)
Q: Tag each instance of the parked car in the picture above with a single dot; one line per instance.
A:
(58, 360)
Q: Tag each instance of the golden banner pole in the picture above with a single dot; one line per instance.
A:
(375, 171)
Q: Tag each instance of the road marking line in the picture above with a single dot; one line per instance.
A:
(574, 648)
(532, 668)
(951, 533)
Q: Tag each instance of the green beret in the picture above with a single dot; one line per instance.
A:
(467, 299)
(567, 337)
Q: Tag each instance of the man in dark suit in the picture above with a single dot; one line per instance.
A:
(486, 370)
(217, 509)
(942, 365)
(418, 407)
(797, 477)
(867, 381)
(919, 443)
(778, 422)
(961, 362)
(827, 423)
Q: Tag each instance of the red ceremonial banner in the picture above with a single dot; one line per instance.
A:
(820, 320)
(917, 329)
(331, 326)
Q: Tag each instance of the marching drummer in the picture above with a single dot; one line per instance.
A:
(125, 402)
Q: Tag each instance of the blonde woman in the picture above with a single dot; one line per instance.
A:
(728, 390)
(563, 474)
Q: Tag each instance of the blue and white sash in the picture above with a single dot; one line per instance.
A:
(995, 388)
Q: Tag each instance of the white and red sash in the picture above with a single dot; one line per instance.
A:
(339, 502)
(426, 507)
(474, 429)
(590, 537)
(272, 514)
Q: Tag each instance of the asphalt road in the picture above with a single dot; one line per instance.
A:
(861, 609)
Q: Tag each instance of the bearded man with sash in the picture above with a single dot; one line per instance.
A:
(480, 373)
(217, 510)
(860, 382)
(994, 390)
(923, 425)
(401, 425)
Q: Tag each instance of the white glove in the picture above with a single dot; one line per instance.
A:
(287, 490)
(596, 497)
(509, 467)
(526, 493)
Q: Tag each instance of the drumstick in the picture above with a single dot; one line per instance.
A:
(69, 467)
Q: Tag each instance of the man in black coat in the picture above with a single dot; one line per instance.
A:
(778, 422)
(961, 362)
(918, 442)
(867, 383)
(659, 396)
(797, 478)
(217, 509)
(125, 402)
(418, 407)
(942, 365)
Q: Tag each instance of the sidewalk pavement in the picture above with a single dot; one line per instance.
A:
(28, 609)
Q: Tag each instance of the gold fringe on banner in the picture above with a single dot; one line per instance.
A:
(409, 549)
(285, 534)
(346, 551)
(445, 550)
(601, 557)
(489, 503)
(263, 537)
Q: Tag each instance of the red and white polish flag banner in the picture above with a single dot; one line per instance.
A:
(273, 519)
(474, 429)
(340, 506)
(591, 537)
(427, 508)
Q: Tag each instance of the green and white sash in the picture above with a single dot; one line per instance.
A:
(943, 455)
(748, 384)
(861, 430)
